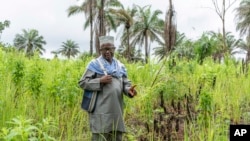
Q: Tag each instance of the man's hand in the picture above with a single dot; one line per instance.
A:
(106, 79)
(132, 91)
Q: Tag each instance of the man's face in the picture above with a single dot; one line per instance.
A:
(107, 51)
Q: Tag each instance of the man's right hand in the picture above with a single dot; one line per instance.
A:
(106, 79)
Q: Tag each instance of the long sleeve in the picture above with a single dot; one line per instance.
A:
(126, 86)
(89, 81)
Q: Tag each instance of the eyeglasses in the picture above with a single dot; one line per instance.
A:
(105, 49)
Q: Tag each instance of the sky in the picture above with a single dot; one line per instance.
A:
(50, 18)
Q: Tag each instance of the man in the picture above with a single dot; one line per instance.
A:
(106, 122)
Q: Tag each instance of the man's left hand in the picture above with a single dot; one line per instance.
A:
(132, 91)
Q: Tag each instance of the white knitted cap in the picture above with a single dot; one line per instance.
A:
(106, 39)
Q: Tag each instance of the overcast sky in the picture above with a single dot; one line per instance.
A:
(49, 17)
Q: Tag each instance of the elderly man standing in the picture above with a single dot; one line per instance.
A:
(106, 121)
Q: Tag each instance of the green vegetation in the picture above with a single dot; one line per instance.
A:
(40, 99)
(194, 91)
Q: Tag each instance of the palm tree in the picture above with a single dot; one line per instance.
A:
(185, 50)
(243, 19)
(169, 35)
(147, 28)
(96, 15)
(30, 42)
(170, 28)
(105, 20)
(230, 41)
(125, 18)
(69, 48)
(3, 25)
(243, 24)
(87, 7)
(178, 47)
(204, 47)
(55, 53)
(243, 45)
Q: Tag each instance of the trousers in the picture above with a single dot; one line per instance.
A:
(111, 136)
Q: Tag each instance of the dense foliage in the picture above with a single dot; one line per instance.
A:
(194, 94)
(179, 100)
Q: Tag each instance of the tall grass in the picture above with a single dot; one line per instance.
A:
(201, 99)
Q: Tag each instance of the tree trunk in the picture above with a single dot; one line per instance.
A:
(97, 43)
(101, 20)
(170, 29)
(222, 14)
(128, 51)
(91, 28)
(223, 26)
(146, 48)
(169, 46)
